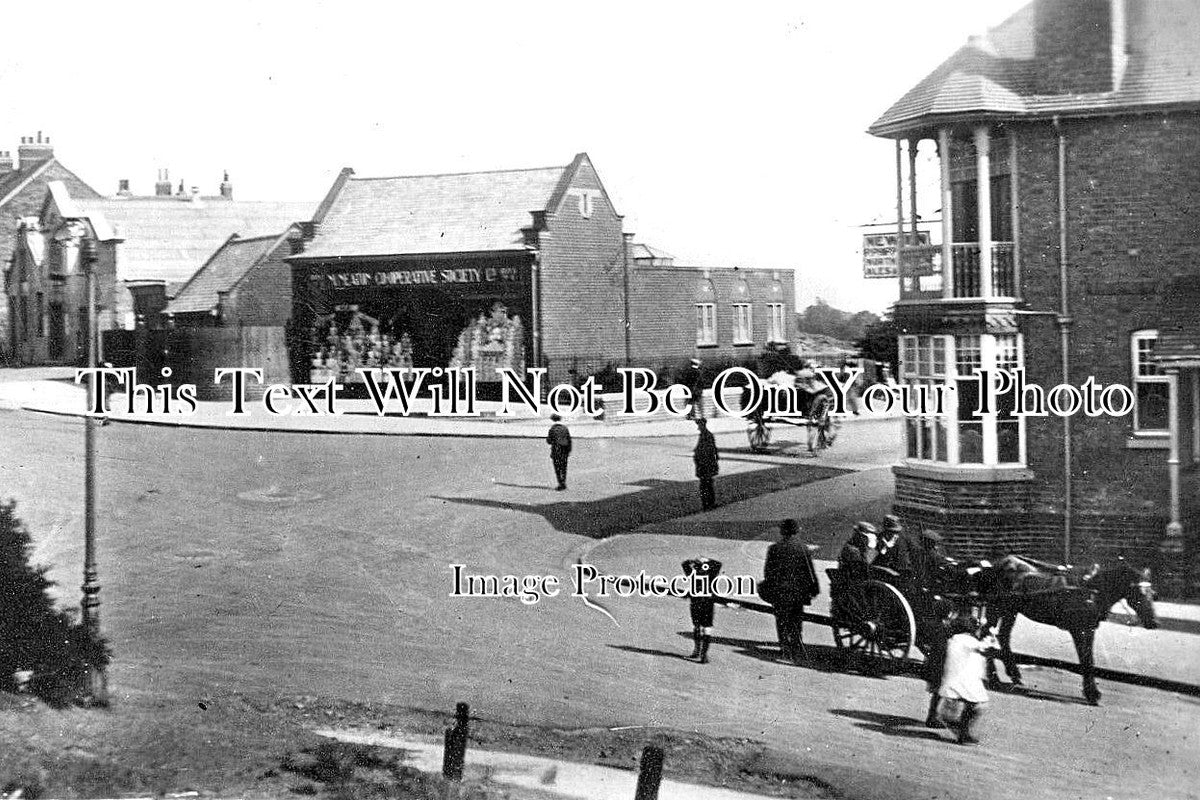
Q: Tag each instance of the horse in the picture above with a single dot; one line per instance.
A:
(1077, 609)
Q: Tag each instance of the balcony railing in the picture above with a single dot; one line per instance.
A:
(921, 268)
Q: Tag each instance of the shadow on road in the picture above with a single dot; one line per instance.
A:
(662, 500)
(890, 724)
(647, 651)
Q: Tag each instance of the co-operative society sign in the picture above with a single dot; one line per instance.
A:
(422, 277)
(879, 252)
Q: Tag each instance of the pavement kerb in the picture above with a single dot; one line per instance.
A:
(64, 400)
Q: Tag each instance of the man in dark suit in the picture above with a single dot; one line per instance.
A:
(789, 584)
(707, 459)
(559, 439)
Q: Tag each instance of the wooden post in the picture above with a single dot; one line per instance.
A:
(454, 755)
(983, 179)
(649, 773)
(947, 214)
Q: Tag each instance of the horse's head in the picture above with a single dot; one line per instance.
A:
(1140, 597)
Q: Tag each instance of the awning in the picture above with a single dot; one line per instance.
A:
(1179, 334)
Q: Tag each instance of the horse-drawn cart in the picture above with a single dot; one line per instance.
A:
(812, 410)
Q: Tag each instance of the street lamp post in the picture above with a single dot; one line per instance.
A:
(96, 686)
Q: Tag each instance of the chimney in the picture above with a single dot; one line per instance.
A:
(163, 187)
(123, 188)
(6, 162)
(226, 187)
(33, 152)
(1076, 45)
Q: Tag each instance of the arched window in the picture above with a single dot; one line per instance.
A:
(743, 317)
(776, 321)
(706, 314)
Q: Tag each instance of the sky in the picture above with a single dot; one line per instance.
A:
(726, 137)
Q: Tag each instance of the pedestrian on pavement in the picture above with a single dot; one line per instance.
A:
(789, 584)
(694, 383)
(559, 439)
(963, 699)
(702, 601)
(707, 459)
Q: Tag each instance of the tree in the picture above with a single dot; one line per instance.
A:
(880, 343)
(823, 319)
(36, 636)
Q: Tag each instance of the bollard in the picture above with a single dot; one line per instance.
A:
(649, 773)
(454, 754)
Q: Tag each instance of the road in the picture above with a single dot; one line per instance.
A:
(296, 564)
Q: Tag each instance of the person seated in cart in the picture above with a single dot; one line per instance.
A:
(894, 547)
(859, 553)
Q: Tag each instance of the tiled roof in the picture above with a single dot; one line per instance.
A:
(170, 240)
(462, 213)
(17, 178)
(995, 73)
(1179, 329)
(225, 268)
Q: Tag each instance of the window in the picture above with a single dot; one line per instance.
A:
(743, 324)
(41, 315)
(959, 436)
(924, 366)
(1151, 386)
(968, 356)
(706, 324)
(776, 328)
(587, 201)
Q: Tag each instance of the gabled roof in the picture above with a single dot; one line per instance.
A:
(228, 265)
(995, 74)
(427, 214)
(11, 183)
(169, 241)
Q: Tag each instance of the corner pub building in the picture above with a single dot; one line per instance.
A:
(1066, 141)
(515, 268)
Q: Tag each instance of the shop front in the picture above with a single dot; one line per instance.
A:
(443, 311)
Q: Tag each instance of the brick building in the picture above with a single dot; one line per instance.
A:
(22, 188)
(1069, 187)
(146, 246)
(512, 268)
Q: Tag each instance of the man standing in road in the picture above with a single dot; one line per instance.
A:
(707, 460)
(559, 439)
(697, 388)
(789, 584)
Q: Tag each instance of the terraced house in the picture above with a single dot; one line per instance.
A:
(1066, 142)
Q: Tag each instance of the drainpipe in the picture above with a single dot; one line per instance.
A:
(1064, 335)
(535, 273)
(625, 237)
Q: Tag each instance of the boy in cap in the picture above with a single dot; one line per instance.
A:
(697, 388)
(702, 602)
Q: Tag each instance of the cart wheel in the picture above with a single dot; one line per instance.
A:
(760, 436)
(871, 618)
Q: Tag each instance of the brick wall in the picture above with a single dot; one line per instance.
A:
(1133, 184)
(989, 519)
(582, 277)
(264, 295)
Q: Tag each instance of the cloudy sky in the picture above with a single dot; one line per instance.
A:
(728, 137)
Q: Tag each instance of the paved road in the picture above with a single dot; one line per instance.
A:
(285, 563)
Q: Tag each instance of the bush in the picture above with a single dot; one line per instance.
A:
(37, 637)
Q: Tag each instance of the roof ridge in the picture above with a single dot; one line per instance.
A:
(458, 174)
